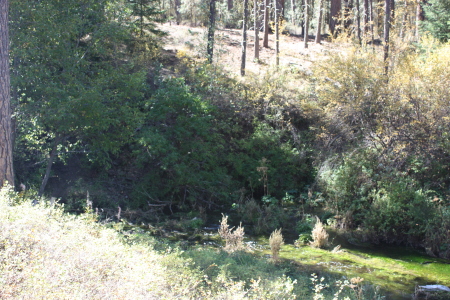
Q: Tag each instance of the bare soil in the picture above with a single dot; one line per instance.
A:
(228, 49)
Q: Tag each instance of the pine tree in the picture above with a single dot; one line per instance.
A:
(437, 19)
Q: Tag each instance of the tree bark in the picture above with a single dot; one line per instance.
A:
(230, 5)
(6, 164)
(211, 30)
(293, 19)
(387, 26)
(306, 14)
(419, 17)
(256, 11)
(335, 10)
(358, 22)
(404, 20)
(177, 11)
(319, 23)
(277, 33)
(366, 16)
(244, 38)
(266, 24)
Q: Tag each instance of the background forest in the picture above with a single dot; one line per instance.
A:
(361, 138)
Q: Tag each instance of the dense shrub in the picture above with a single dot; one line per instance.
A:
(389, 136)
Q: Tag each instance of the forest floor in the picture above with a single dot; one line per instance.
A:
(228, 49)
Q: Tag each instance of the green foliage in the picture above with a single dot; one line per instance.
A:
(71, 86)
(182, 149)
(437, 16)
(264, 218)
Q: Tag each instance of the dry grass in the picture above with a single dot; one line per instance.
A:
(234, 240)
(276, 241)
(319, 235)
(45, 254)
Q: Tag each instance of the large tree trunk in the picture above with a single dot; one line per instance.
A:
(387, 26)
(256, 11)
(335, 10)
(306, 14)
(266, 24)
(211, 30)
(244, 38)
(319, 23)
(6, 165)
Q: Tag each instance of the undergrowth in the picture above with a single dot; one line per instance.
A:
(48, 254)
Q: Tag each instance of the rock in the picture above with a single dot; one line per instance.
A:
(434, 288)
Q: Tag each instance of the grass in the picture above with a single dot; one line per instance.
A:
(391, 268)
(48, 254)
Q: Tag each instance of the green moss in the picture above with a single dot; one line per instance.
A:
(395, 270)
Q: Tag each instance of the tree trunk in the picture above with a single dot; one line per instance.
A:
(277, 33)
(244, 38)
(335, 10)
(50, 161)
(358, 22)
(177, 11)
(404, 20)
(256, 11)
(372, 35)
(293, 19)
(366, 16)
(211, 29)
(230, 5)
(281, 7)
(319, 22)
(387, 26)
(306, 14)
(419, 17)
(266, 24)
(6, 165)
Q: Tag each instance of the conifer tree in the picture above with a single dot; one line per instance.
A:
(6, 167)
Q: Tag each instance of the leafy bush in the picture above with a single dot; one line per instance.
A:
(389, 142)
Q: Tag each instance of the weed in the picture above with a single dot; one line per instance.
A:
(319, 235)
(234, 240)
(276, 241)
